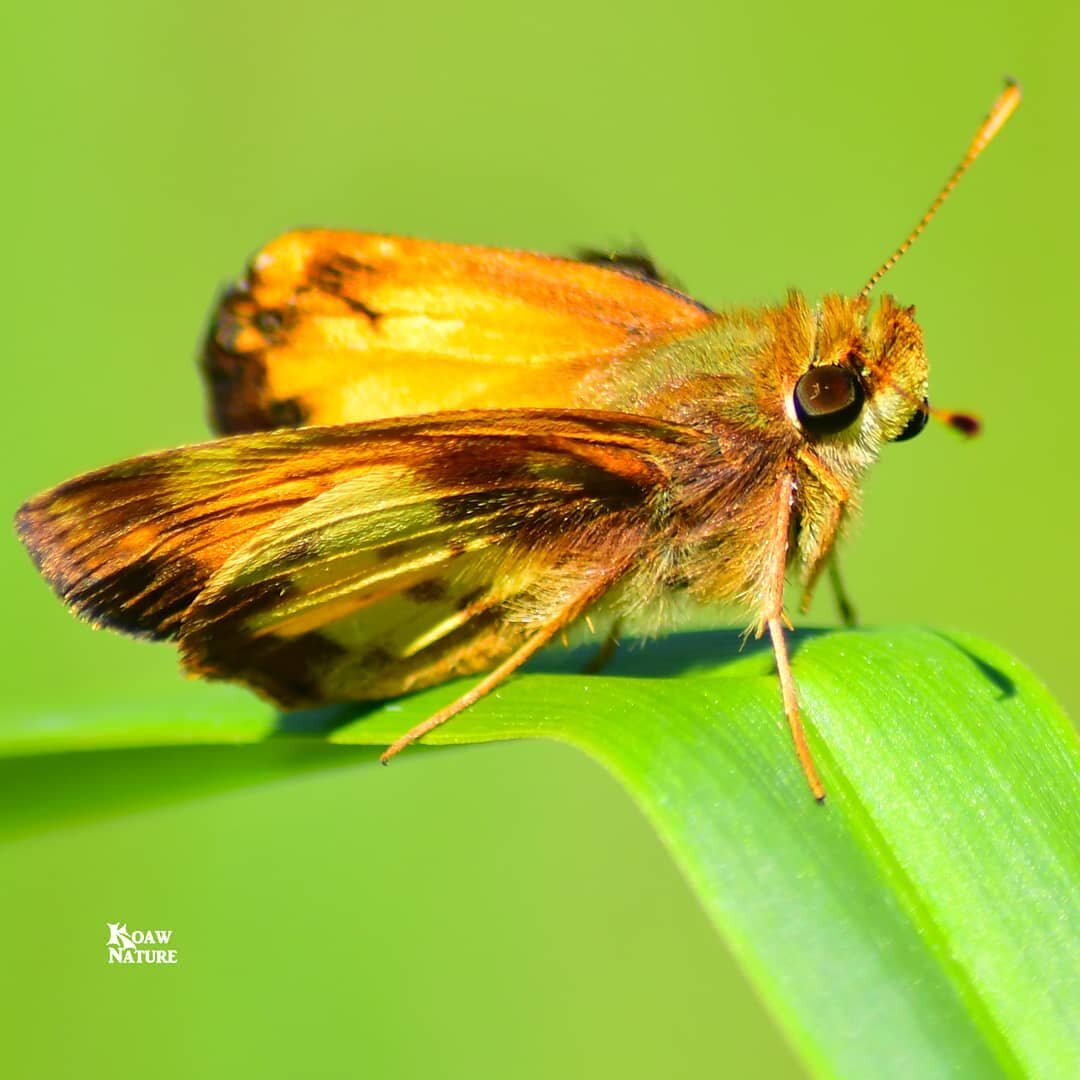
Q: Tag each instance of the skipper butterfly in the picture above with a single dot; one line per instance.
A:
(436, 458)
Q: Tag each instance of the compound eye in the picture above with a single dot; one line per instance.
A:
(828, 399)
(916, 423)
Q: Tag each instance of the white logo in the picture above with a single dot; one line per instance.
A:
(138, 946)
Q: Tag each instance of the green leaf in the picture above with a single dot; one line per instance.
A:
(925, 921)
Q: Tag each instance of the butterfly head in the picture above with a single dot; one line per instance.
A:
(866, 381)
(863, 382)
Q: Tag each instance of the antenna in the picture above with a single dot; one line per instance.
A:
(1003, 108)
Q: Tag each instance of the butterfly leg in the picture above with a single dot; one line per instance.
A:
(533, 644)
(791, 706)
(606, 651)
(774, 619)
(844, 606)
(824, 556)
(824, 551)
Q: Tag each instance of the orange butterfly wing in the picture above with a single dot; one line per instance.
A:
(339, 327)
(357, 561)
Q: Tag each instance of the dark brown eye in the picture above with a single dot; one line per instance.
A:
(828, 399)
(916, 423)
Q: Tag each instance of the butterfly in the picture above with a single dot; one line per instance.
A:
(435, 458)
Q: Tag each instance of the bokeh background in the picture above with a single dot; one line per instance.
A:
(501, 910)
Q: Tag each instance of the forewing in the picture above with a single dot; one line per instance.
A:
(338, 327)
(361, 560)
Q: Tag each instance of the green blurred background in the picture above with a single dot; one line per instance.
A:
(502, 910)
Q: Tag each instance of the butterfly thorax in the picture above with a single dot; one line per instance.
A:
(737, 381)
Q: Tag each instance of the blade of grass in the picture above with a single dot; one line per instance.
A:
(924, 922)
